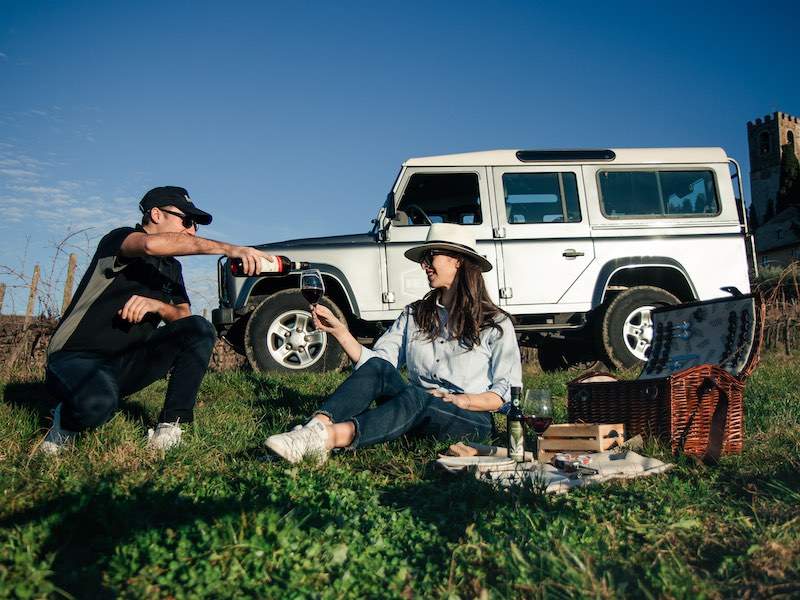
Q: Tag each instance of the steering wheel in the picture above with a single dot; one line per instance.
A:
(411, 208)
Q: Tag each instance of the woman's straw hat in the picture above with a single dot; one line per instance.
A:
(451, 238)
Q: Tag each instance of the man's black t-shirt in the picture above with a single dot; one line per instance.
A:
(91, 322)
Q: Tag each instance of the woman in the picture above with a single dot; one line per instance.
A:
(460, 350)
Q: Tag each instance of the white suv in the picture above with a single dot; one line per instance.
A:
(585, 243)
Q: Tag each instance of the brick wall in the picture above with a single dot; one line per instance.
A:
(23, 347)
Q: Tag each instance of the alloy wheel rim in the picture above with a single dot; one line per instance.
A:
(293, 342)
(637, 331)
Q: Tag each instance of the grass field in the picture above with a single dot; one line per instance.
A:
(213, 518)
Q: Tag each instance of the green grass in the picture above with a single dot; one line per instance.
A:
(214, 518)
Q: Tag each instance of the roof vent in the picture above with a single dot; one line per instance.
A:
(564, 155)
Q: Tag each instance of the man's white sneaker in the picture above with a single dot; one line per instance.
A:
(57, 438)
(305, 442)
(164, 436)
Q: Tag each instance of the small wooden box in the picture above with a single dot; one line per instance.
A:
(579, 438)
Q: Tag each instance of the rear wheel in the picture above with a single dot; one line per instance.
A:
(280, 336)
(626, 327)
(556, 354)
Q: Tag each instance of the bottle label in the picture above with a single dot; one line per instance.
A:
(269, 267)
(516, 441)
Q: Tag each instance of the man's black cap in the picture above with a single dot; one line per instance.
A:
(170, 195)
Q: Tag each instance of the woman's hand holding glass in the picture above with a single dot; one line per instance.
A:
(326, 321)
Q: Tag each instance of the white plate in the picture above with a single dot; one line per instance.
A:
(455, 462)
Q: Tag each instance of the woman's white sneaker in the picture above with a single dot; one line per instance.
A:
(304, 442)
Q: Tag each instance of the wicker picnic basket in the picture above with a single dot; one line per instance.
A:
(691, 390)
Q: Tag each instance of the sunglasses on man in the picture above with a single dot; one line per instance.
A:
(187, 221)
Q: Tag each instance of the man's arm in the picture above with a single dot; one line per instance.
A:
(173, 312)
(137, 307)
(182, 244)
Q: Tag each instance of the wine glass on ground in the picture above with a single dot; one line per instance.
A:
(538, 409)
(312, 286)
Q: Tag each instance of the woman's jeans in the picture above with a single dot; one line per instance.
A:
(89, 385)
(401, 408)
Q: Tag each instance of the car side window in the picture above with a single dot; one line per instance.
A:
(658, 193)
(440, 198)
(541, 198)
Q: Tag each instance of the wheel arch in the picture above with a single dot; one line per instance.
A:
(658, 271)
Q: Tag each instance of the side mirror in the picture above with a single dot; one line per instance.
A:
(390, 208)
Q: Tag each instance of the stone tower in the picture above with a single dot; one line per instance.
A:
(768, 139)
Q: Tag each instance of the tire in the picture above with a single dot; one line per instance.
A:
(560, 354)
(552, 356)
(625, 324)
(280, 338)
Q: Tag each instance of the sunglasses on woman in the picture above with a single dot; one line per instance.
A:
(427, 258)
(187, 221)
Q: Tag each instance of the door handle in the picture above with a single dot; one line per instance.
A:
(571, 253)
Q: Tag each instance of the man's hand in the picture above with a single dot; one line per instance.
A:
(251, 258)
(137, 307)
(460, 400)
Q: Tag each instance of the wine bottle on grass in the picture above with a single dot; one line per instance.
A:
(514, 427)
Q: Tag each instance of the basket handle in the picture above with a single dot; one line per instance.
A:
(716, 433)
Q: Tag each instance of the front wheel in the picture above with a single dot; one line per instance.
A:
(627, 327)
(280, 336)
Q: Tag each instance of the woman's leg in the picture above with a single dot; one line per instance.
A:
(376, 380)
(414, 409)
(331, 425)
(446, 421)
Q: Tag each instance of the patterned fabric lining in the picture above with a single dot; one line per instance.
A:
(719, 332)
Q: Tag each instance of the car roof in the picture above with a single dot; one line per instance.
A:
(622, 156)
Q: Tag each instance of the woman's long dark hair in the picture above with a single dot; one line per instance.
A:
(472, 310)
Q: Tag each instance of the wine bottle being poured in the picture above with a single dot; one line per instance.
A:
(279, 266)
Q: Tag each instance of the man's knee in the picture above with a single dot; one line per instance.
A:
(199, 328)
(88, 412)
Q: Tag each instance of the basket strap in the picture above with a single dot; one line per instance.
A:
(708, 384)
(716, 434)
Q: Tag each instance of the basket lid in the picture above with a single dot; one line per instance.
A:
(725, 332)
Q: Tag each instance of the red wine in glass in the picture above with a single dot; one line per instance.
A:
(538, 424)
(313, 288)
(312, 294)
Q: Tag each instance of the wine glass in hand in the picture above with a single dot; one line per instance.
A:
(311, 286)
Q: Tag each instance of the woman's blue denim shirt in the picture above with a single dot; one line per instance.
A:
(442, 363)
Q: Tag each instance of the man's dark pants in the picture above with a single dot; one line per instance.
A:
(90, 385)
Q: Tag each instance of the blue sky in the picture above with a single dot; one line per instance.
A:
(291, 119)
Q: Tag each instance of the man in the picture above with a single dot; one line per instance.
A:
(108, 343)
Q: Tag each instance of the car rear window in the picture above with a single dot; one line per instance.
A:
(655, 194)
(541, 198)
